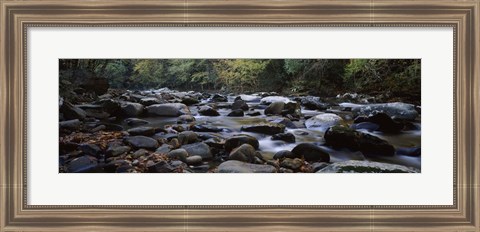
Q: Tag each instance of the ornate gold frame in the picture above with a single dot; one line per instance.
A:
(16, 16)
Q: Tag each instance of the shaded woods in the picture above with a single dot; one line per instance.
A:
(393, 79)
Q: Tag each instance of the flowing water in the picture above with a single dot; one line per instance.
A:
(232, 125)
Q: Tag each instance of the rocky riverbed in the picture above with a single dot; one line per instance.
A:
(167, 131)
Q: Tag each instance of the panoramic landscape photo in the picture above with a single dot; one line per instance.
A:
(239, 116)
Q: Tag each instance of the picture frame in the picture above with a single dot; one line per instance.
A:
(17, 16)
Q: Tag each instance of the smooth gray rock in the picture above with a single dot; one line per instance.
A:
(357, 166)
(235, 166)
(168, 109)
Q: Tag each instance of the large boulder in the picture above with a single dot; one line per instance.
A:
(131, 109)
(168, 109)
(235, 166)
(82, 164)
(275, 108)
(385, 123)
(343, 137)
(357, 166)
(187, 137)
(236, 113)
(208, 111)
(142, 142)
(148, 101)
(287, 137)
(142, 130)
(265, 128)
(311, 152)
(180, 154)
(239, 104)
(244, 153)
(313, 103)
(187, 100)
(322, 122)
(219, 98)
(398, 110)
(70, 124)
(198, 149)
(70, 111)
(237, 140)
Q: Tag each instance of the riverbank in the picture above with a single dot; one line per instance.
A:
(171, 131)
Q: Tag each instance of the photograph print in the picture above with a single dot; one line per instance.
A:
(239, 116)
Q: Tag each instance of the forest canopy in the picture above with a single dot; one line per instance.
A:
(322, 77)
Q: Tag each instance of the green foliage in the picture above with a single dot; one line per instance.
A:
(240, 74)
(322, 77)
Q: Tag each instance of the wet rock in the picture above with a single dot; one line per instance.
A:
(240, 105)
(322, 122)
(253, 114)
(143, 130)
(117, 150)
(168, 109)
(83, 164)
(113, 127)
(284, 121)
(180, 154)
(293, 164)
(187, 137)
(219, 98)
(318, 166)
(287, 137)
(365, 126)
(205, 128)
(343, 137)
(161, 167)
(275, 108)
(70, 124)
(385, 123)
(139, 153)
(313, 103)
(285, 154)
(311, 152)
(201, 168)
(398, 110)
(90, 149)
(409, 151)
(189, 101)
(236, 113)
(70, 111)
(112, 166)
(111, 106)
(235, 166)
(208, 111)
(244, 153)
(237, 140)
(356, 166)
(135, 121)
(164, 149)
(131, 109)
(198, 149)
(142, 142)
(265, 128)
(292, 109)
(194, 160)
(186, 118)
(148, 101)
